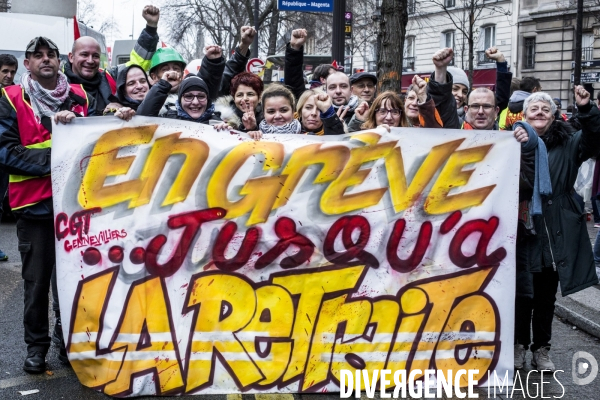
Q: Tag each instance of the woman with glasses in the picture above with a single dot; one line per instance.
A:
(387, 111)
(193, 102)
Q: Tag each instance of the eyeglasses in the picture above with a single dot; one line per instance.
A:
(382, 112)
(476, 107)
(188, 97)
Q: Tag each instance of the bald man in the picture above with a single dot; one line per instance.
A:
(84, 62)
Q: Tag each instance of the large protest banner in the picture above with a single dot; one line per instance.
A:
(195, 261)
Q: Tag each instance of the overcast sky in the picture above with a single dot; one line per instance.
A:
(125, 13)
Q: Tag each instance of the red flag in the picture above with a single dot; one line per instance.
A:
(337, 66)
(76, 33)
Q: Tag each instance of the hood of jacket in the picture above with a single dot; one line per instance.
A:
(515, 103)
(121, 81)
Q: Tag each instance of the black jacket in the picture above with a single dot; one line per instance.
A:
(293, 77)
(503, 81)
(211, 72)
(561, 240)
(235, 65)
(441, 93)
(155, 99)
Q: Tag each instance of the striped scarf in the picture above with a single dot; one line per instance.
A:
(292, 127)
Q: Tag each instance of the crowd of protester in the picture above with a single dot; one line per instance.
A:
(552, 240)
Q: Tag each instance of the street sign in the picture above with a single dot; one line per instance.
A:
(348, 25)
(587, 64)
(306, 6)
(588, 77)
(255, 65)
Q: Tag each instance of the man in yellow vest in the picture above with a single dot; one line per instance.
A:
(26, 113)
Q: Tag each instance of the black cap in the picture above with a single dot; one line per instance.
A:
(40, 41)
(362, 75)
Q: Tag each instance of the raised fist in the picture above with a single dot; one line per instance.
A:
(494, 54)
(172, 77)
(443, 57)
(247, 34)
(151, 14)
(582, 96)
(323, 102)
(213, 52)
(420, 88)
(298, 38)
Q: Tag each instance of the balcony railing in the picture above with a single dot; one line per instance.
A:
(482, 58)
(587, 53)
(408, 63)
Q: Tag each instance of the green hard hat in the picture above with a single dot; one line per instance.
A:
(164, 55)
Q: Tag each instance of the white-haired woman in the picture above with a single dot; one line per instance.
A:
(553, 244)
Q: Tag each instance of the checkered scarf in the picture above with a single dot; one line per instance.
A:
(45, 103)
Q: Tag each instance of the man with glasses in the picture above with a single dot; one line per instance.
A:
(481, 111)
(364, 85)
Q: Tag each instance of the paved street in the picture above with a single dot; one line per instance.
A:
(61, 383)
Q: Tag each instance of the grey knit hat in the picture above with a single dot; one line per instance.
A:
(459, 76)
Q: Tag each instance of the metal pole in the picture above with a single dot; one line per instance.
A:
(338, 34)
(254, 50)
(578, 29)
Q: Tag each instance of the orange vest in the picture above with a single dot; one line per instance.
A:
(24, 190)
(511, 118)
(468, 127)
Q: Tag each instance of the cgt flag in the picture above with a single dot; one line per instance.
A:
(193, 261)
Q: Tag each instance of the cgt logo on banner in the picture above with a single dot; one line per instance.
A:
(196, 261)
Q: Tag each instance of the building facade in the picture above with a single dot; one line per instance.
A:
(435, 24)
(546, 42)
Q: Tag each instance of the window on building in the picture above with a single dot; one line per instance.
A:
(409, 46)
(409, 54)
(487, 39)
(529, 53)
(489, 36)
(448, 39)
(449, 3)
(411, 6)
(587, 46)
